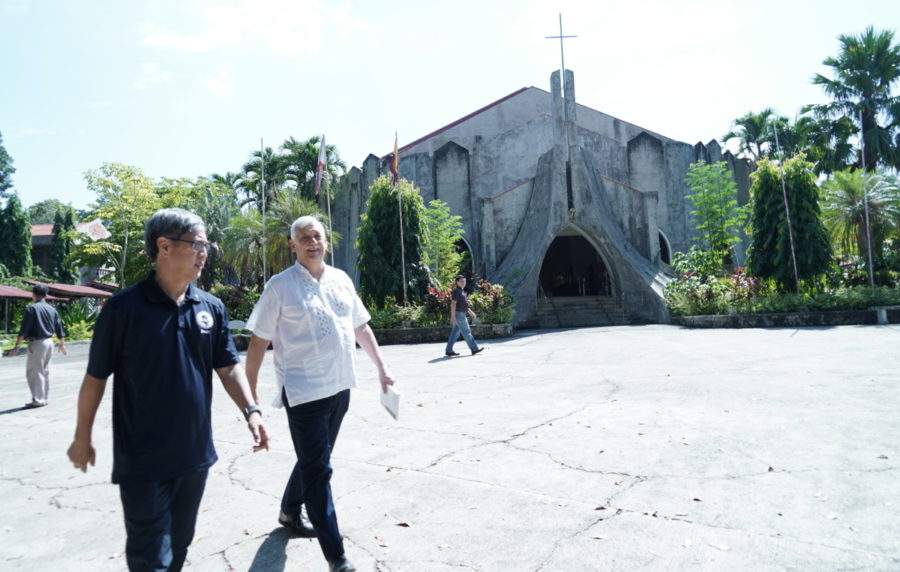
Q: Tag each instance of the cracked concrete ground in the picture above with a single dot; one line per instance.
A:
(627, 448)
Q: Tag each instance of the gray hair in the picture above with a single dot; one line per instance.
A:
(305, 221)
(169, 223)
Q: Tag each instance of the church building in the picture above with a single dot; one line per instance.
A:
(576, 212)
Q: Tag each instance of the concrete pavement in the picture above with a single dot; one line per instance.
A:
(621, 448)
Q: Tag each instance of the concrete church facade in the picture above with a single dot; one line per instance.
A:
(575, 211)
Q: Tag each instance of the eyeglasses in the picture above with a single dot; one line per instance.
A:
(196, 245)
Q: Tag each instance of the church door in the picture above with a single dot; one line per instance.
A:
(572, 267)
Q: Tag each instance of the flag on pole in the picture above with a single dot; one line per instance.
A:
(320, 167)
(395, 164)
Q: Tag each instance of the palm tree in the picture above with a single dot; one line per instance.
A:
(754, 131)
(301, 158)
(864, 74)
(844, 211)
(273, 165)
(216, 205)
(242, 247)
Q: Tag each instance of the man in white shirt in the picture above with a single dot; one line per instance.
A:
(313, 317)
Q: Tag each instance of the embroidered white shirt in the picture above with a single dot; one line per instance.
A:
(311, 324)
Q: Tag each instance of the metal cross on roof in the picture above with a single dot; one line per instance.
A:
(562, 55)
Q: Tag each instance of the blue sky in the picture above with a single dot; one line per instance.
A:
(184, 88)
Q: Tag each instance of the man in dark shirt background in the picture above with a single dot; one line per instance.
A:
(459, 309)
(39, 324)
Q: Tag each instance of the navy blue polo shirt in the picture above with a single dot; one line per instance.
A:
(161, 357)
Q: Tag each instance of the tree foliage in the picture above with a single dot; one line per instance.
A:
(716, 212)
(44, 212)
(378, 244)
(770, 243)
(753, 132)
(6, 169)
(442, 231)
(126, 198)
(246, 235)
(15, 237)
(61, 246)
(844, 199)
(216, 203)
(864, 73)
(291, 167)
(769, 135)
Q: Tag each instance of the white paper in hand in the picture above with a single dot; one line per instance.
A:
(391, 402)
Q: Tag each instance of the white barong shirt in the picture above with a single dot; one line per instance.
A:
(311, 324)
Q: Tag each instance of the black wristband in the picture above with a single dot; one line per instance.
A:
(251, 410)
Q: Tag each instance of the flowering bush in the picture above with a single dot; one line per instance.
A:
(492, 302)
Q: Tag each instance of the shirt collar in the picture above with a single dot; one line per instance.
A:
(156, 295)
(307, 274)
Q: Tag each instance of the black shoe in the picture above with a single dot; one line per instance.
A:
(448, 354)
(34, 405)
(298, 524)
(341, 565)
(478, 350)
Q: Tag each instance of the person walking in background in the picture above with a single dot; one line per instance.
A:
(459, 308)
(40, 322)
(313, 318)
(161, 339)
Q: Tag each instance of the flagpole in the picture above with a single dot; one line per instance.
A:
(862, 160)
(787, 210)
(262, 184)
(330, 227)
(395, 177)
(320, 175)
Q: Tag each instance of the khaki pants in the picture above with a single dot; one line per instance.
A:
(37, 369)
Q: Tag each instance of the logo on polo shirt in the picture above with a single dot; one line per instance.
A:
(204, 320)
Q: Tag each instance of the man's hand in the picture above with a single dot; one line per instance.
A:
(386, 379)
(63, 350)
(14, 352)
(260, 435)
(81, 453)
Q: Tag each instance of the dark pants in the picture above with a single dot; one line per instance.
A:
(314, 430)
(159, 520)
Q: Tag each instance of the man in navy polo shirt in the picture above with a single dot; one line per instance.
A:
(161, 339)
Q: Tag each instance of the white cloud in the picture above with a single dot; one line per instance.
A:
(27, 132)
(16, 6)
(151, 74)
(289, 28)
(222, 82)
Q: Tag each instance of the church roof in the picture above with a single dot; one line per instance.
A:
(461, 120)
(531, 102)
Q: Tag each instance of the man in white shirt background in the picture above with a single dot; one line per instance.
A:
(313, 318)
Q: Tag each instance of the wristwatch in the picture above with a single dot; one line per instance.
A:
(248, 411)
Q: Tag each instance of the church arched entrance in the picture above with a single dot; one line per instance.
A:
(572, 267)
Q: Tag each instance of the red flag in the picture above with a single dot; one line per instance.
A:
(320, 168)
(395, 163)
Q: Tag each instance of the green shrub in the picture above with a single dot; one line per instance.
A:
(493, 303)
(79, 330)
(239, 300)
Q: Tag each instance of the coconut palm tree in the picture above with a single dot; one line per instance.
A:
(754, 132)
(301, 159)
(844, 211)
(274, 166)
(865, 72)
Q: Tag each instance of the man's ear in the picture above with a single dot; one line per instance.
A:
(163, 245)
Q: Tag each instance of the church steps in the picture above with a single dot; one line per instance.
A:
(580, 311)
